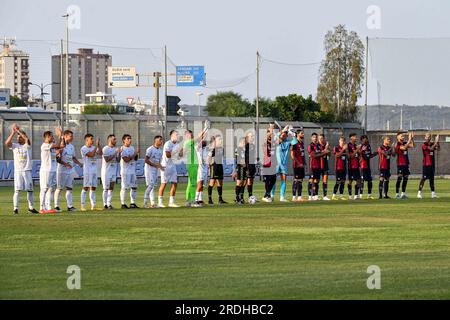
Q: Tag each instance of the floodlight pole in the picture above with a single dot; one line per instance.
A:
(367, 82)
(61, 99)
(257, 107)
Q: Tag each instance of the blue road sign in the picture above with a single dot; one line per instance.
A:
(191, 76)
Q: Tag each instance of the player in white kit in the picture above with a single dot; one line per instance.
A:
(22, 167)
(110, 159)
(64, 172)
(153, 157)
(169, 175)
(89, 153)
(47, 173)
(128, 179)
(201, 149)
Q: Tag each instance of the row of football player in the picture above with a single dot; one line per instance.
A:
(352, 163)
(58, 158)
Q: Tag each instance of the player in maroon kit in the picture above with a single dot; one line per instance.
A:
(324, 164)
(364, 162)
(353, 166)
(385, 154)
(429, 150)
(401, 151)
(299, 163)
(314, 164)
(340, 167)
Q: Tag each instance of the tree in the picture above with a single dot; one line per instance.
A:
(16, 102)
(229, 104)
(267, 108)
(341, 74)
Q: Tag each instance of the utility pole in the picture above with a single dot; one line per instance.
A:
(156, 85)
(367, 82)
(257, 107)
(67, 69)
(61, 98)
(165, 93)
(401, 118)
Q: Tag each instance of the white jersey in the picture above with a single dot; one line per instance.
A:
(127, 167)
(201, 153)
(22, 157)
(155, 155)
(169, 146)
(111, 166)
(67, 155)
(48, 158)
(89, 163)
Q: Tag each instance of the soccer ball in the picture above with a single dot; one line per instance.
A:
(252, 200)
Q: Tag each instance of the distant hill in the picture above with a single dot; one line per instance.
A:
(414, 117)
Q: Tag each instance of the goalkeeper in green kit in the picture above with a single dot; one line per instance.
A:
(192, 162)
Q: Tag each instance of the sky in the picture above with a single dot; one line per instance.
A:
(221, 35)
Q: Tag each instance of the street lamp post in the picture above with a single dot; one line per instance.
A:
(41, 88)
(199, 95)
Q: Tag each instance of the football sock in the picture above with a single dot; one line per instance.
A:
(397, 185)
(92, 197)
(386, 187)
(16, 199)
(250, 190)
(404, 184)
(83, 197)
(69, 198)
(30, 198)
(57, 194)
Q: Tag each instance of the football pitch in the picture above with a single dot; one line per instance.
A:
(318, 250)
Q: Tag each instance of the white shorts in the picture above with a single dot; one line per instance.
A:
(23, 181)
(128, 180)
(90, 180)
(202, 173)
(169, 175)
(151, 177)
(64, 180)
(47, 179)
(107, 179)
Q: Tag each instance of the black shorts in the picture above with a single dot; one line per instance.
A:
(427, 172)
(299, 173)
(385, 173)
(340, 175)
(354, 174)
(367, 174)
(251, 171)
(315, 175)
(216, 171)
(241, 172)
(403, 171)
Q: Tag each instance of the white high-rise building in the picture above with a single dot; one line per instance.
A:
(14, 69)
(88, 74)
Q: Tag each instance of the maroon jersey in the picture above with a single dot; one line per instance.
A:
(324, 158)
(340, 163)
(366, 153)
(385, 161)
(428, 155)
(353, 162)
(314, 162)
(299, 154)
(402, 155)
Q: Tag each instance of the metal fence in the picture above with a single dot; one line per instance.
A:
(144, 128)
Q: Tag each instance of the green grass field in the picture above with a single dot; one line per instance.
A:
(315, 250)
